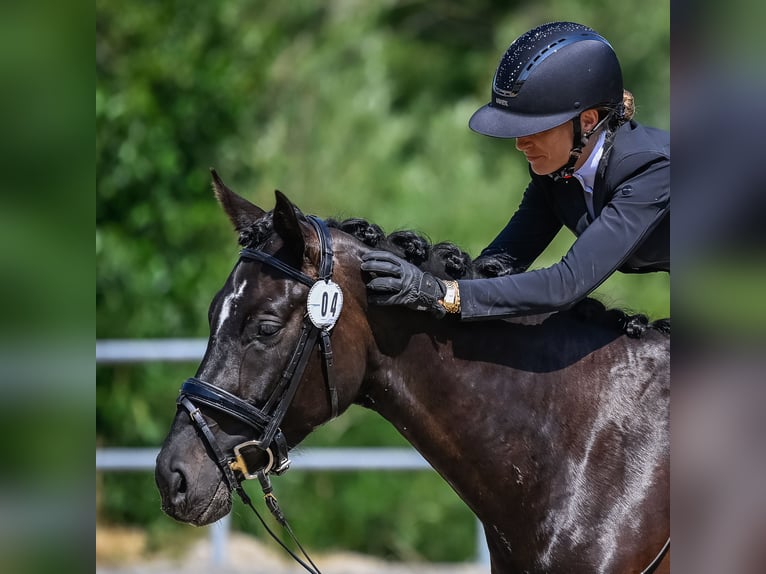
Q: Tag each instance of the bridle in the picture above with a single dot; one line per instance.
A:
(266, 420)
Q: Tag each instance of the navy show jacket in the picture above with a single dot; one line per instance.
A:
(630, 231)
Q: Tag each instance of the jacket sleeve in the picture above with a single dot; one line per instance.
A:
(637, 206)
(528, 232)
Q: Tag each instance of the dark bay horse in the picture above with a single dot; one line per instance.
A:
(553, 429)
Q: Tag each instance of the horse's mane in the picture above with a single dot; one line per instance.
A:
(447, 261)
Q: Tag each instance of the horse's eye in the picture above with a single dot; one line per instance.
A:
(268, 328)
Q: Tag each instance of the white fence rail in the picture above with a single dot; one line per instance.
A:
(311, 459)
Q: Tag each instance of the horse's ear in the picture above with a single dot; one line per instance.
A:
(287, 223)
(241, 212)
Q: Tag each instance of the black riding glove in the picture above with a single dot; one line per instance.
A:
(398, 282)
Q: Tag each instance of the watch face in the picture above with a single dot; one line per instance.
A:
(449, 296)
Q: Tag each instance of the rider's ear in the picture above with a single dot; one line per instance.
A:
(287, 223)
(588, 119)
(241, 212)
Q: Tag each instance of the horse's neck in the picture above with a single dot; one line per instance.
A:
(461, 415)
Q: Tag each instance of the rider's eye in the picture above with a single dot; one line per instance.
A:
(267, 328)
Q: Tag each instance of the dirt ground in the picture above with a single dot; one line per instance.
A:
(122, 551)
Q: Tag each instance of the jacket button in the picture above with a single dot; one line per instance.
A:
(627, 190)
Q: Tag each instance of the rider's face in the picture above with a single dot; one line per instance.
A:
(549, 150)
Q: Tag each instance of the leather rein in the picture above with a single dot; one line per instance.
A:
(266, 420)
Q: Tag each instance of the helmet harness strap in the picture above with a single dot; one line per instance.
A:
(579, 141)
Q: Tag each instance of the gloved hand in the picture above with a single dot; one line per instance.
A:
(398, 282)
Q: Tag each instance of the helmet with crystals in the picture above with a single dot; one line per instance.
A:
(548, 76)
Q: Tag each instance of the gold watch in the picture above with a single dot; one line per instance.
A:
(451, 301)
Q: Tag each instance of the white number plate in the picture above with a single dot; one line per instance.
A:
(324, 304)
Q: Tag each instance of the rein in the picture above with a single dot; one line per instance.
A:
(657, 559)
(265, 421)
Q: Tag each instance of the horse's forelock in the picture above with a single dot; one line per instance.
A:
(258, 232)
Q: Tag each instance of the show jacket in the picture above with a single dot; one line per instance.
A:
(630, 231)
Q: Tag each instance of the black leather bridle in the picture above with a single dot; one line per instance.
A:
(266, 420)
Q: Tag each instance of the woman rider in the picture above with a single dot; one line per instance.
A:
(558, 91)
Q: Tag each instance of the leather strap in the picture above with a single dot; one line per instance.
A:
(266, 420)
(256, 255)
(325, 247)
(224, 401)
(298, 367)
(222, 459)
(332, 390)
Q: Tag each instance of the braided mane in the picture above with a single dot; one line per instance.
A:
(447, 261)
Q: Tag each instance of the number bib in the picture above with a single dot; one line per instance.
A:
(324, 303)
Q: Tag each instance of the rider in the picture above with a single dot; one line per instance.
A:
(558, 91)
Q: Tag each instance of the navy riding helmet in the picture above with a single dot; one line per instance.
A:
(548, 76)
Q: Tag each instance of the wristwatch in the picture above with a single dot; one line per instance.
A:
(451, 301)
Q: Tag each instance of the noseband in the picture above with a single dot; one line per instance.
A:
(265, 421)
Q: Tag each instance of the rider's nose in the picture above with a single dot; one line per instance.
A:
(522, 143)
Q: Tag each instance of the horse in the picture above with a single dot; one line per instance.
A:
(553, 429)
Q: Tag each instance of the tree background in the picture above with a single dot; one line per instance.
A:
(351, 108)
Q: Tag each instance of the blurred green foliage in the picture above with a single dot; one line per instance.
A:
(352, 109)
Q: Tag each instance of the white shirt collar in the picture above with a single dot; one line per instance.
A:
(587, 172)
(586, 175)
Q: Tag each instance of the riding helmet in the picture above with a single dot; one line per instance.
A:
(547, 76)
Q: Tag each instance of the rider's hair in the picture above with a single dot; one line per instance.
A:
(622, 113)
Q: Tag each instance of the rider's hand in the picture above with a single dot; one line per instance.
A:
(395, 281)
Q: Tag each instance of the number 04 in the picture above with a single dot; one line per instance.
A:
(333, 306)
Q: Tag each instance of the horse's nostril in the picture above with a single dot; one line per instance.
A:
(178, 484)
(181, 484)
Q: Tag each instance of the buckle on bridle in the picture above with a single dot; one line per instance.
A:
(240, 464)
(284, 464)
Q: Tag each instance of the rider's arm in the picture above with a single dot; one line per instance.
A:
(637, 206)
(528, 232)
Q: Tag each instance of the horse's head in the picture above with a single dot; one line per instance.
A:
(268, 376)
